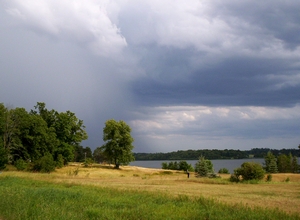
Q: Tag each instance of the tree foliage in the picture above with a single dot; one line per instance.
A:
(118, 142)
(174, 165)
(211, 154)
(204, 167)
(249, 171)
(29, 136)
(295, 166)
(3, 157)
(271, 163)
(284, 163)
(45, 164)
(99, 155)
(223, 170)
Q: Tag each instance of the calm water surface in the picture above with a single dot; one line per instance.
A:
(218, 164)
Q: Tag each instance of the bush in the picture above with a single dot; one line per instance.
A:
(60, 161)
(45, 164)
(213, 175)
(250, 171)
(269, 178)
(224, 170)
(234, 178)
(182, 165)
(21, 164)
(88, 162)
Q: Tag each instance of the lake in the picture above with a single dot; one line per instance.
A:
(218, 164)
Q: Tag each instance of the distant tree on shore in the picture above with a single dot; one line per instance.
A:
(270, 163)
(211, 154)
(204, 167)
(181, 165)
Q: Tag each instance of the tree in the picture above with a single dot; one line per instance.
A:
(3, 157)
(183, 165)
(118, 142)
(295, 166)
(99, 155)
(284, 163)
(69, 130)
(7, 130)
(3, 150)
(33, 137)
(203, 167)
(270, 163)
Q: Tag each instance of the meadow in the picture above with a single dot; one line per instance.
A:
(101, 192)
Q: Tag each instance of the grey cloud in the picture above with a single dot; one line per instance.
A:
(208, 53)
(237, 81)
(277, 18)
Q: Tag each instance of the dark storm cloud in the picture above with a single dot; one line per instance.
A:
(238, 81)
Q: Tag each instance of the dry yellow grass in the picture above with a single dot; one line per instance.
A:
(277, 194)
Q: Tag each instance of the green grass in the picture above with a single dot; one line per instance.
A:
(23, 198)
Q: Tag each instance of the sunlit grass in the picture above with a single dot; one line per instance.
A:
(277, 194)
(33, 199)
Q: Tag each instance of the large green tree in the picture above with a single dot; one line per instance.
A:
(29, 136)
(69, 130)
(118, 142)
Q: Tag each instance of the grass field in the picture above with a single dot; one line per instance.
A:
(102, 192)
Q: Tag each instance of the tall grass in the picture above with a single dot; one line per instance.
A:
(22, 198)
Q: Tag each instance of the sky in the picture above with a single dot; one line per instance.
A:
(193, 74)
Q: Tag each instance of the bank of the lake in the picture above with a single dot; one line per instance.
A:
(218, 164)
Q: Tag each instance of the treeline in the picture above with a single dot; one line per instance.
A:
(283, 163)
(40, 137)
(212, 154)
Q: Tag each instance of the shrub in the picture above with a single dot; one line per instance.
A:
(213, 175)
(224, 170)
(88, 162)
(234, 178)
(250, 171)
(269, 178)
(45, 164)
(21, 164)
